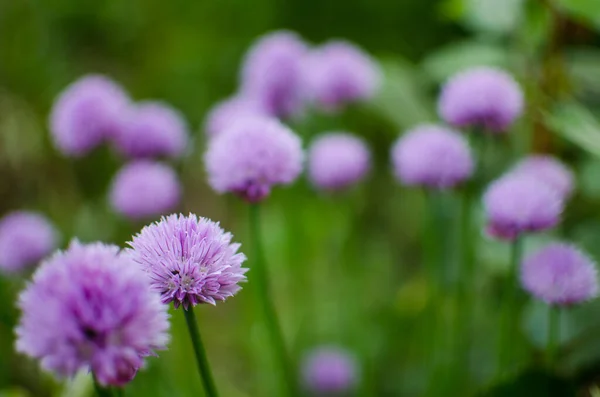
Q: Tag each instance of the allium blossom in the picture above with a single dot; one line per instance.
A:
(549, 170)
(272, 73)
(87, 113)
(338, 72)
(483, 97)
(91, 307)
(560, 274)
(253, 155)
(229, 111)
(432, 156)
(516, 204)
(330, 369)
(153, 129)
(190, 260)
(25, 239)
(144, 189)
(337, 160)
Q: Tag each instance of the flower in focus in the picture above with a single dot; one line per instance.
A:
(329, 369)
(91, 307)
(253, 155)
(338, 72)
(144, 189)
(549, 170)
(482, 96)
(152, 129)
(272, 73)
(515, 204)
(190, 260)
(25, 239)
(337, 160)
(560, 274)
(227, 112)
(432, 156)
(88, 112)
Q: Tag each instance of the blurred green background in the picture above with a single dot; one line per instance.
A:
(346, 269)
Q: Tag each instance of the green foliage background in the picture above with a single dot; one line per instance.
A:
(345, 269)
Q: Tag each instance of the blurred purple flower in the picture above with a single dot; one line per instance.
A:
(516, 204)
(338, 72)
(329, 370)
(145, 189)
(337, 160)
(432, 156)
(153, 129)
(25, 239)
(482, 96)
(227, 112)
(88, 112)
(89, 306)
(272, 73)
(549, 170)
(560, 274)
(253, 155)
(190, 260)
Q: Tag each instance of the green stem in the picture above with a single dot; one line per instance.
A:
(101, 391)
(263, 292)
(200, 352)
(509, 315)
(553, 334)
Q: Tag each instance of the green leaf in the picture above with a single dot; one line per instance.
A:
(586, 11)
(582, 64)
(458, 56)
(576, 124)
(533, 383)
(401, 99)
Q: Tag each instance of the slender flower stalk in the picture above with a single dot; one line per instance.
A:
(263, 291)
(553, 334)
(509, 320)
(203, 366)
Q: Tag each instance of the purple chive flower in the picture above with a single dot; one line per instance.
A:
(338, 72)
(253, 155)
(190, 260)
(482, 96)
(227, 112)
(432, 156)
(272, 73)
(86, 113)
(25, 239)
(153, 129)
(144, 189)
(337, 160)
(516, 204)
(549, 170)
(560, 274)
(329, 370)
(91, 307)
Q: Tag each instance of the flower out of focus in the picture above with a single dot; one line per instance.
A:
(144, 189)
(253, 155)
(330, 370)
(432, 156)
(549, 170)
(272, 73)
(515, 204)
(227, 112)
(338, 72)
(337, 160)
(560, 274)
(88, 112)
(189, 259)
(25, 239)
(483, 97)
(152, 129)
(96, 311)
